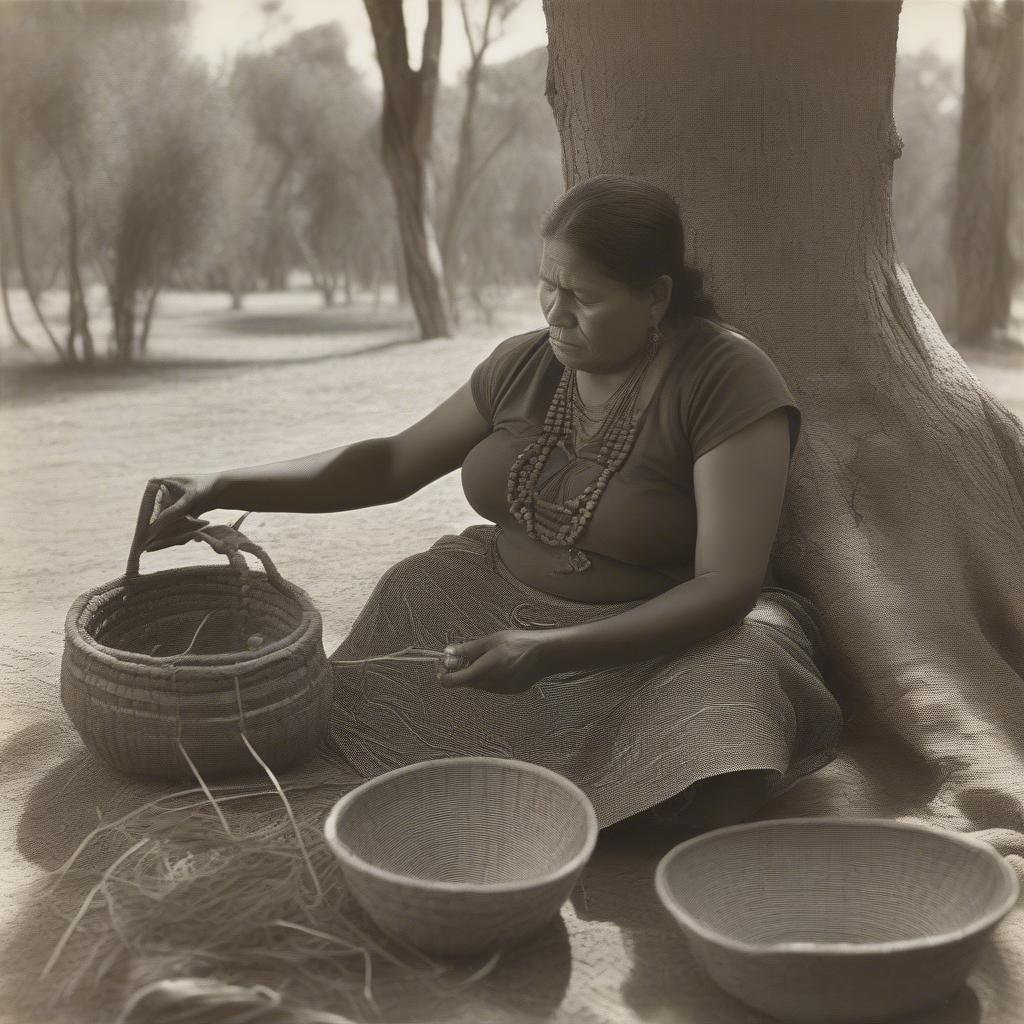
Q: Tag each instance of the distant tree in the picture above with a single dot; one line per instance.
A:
(468, 164)
(988, 223)
(156, 173)
(5, 293)
(102, 119)
(308, 107)
(374, 224)
(406, 136)
(45, 94)
(240, 221)
(926, 108)
(498, 244)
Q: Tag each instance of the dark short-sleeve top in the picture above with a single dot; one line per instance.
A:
(718, 382)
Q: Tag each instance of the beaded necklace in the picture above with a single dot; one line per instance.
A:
(560, 524)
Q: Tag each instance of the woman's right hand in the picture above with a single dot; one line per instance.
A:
(180, 502)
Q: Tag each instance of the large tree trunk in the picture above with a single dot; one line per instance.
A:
(406, 134)
(771, 124)
(988, 221)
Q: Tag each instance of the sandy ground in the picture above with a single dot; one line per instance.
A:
(278, 380)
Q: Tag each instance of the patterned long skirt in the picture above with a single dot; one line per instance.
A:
(632, 737)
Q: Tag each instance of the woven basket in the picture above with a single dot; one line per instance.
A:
(464, 855)
(258, 662)
(836, 920)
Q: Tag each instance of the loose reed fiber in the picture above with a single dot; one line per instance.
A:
(201, 921)
(201, 904)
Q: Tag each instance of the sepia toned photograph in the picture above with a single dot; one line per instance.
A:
(512, 511)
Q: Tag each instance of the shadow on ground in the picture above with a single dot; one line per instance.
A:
(27, 384)
(335, 321)
(614, 955)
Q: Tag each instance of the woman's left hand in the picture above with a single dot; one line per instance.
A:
(509, 661)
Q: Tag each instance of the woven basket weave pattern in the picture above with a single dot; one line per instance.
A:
(131, 706)
(914, 904)
(498, 828)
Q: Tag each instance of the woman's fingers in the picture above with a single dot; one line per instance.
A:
(175, 508)
(166, 516)
(180, 532)
(471, 660)
(466, 676)
(458, 656)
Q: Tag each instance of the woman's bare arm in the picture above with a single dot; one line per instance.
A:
(376, 471)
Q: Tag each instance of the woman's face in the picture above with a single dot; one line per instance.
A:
(597, 324)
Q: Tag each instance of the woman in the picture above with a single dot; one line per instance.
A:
(617, 618)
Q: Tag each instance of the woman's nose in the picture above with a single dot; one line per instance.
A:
(558, 316)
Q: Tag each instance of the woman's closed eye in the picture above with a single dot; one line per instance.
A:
(572, 295)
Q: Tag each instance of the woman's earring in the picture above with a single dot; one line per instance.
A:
(655, 338)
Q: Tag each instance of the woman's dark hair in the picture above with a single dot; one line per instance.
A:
(633, 232)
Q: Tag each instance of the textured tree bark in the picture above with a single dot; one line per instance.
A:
(988, 221)
(772, 126)
(406, 133)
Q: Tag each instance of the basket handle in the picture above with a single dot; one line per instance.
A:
(225, 540)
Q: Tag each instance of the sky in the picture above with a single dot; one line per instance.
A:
(220, 28)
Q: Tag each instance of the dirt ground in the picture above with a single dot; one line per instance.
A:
(278, 380)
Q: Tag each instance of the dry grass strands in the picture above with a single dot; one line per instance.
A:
(203, 905)
(208, 922)
(205, 1001)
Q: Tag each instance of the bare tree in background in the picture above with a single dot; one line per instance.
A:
(988, 221)
(241, 222)
(468, 168)
(158, 159)
(407, 125)
(44, 110)
(105, 121)
(310, 112)
(498, 246)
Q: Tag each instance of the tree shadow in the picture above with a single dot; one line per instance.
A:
(32, 383)
(334, 321)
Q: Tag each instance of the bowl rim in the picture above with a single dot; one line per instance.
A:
(349, 858)
(712, 935)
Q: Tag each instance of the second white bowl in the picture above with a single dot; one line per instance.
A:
(836, 920)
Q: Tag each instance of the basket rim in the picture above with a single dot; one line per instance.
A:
(829, 949)
(349, 858)
(75, 632)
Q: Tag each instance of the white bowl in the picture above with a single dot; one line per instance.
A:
(464, 855)
(836, 920)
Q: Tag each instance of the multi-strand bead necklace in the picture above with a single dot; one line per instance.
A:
(560, 524)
